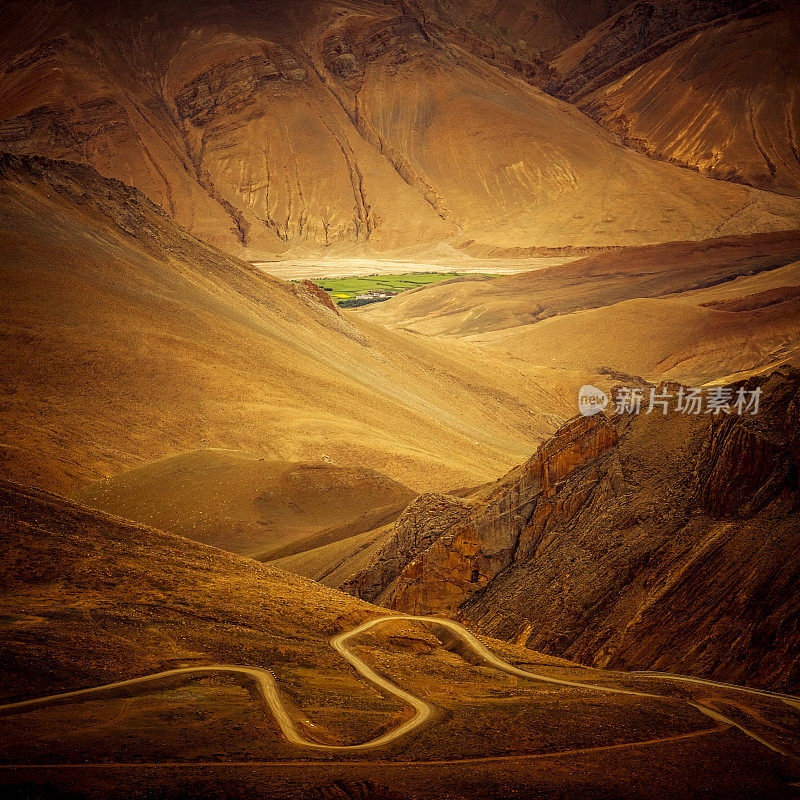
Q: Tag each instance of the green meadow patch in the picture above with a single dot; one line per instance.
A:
(374, 288)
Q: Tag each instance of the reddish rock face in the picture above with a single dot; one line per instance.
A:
(634, 562)
(469, 550)
(309, 288)
(611, 545)
(577, 443)
(429, 517)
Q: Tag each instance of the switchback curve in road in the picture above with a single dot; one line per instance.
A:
(268, 689)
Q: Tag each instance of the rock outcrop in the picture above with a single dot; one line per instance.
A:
(427, 519)
(442, 552)
(662, 541)
(675, 554)
(637, 34)
(308, 290)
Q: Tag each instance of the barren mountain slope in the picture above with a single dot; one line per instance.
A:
(652, 541)
(88, 599)
(125, 572)
(654, 311)
(243, 502)
(335, 562)
(129, 341)
(639, 32)
(495, 26)
(681, 339)
(354, 127)
(721, 97)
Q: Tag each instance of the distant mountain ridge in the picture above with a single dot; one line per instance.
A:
(364, 128)
(712, 86)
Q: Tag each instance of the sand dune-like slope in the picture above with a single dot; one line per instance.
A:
(649, 311)
(240, 501)
(669, 340)
(691, 337)
(352, 128)
(335, 563)
(719, 95)
(126, 340)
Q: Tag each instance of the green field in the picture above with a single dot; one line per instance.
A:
(346, 291)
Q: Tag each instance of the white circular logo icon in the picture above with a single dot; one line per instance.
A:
(591, 400)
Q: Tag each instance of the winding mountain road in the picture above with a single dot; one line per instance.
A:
(268, 689)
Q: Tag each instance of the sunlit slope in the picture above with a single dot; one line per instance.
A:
(517, 169)
(349, 129)
(129, 341)
(653, 311)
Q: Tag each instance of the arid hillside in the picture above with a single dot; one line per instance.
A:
(352, 128)
(243, 502)
(126, 340)
(711, 85)
(90, 599)
(690, 312)
(652, 541)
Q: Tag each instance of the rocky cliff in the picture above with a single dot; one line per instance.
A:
(444, 550)
(652, 541)
(419, 526)
(748, 461)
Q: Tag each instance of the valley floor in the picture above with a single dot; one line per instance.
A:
(296, 269)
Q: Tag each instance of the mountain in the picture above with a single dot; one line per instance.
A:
(256, 546)
(652, 541)
(712, 86)
(684, 311)
(243, 502)
(495, 28)
(350, 128)
(88, 599)
(126, 340)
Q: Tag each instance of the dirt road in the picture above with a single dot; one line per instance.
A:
(288, 723)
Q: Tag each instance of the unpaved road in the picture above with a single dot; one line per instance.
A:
(268, 688)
